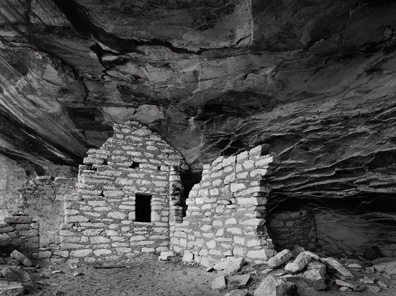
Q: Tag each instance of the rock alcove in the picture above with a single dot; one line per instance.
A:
(311, 82)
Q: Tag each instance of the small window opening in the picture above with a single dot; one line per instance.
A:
(135, 165)
(159, 168)
(143, 207)
(105, 162)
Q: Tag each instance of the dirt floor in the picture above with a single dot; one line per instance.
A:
(145, 275)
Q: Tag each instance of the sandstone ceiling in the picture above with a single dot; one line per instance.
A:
(314, 80)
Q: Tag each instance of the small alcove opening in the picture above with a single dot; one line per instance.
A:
(135, 165)
(159, 168)
(143, 207)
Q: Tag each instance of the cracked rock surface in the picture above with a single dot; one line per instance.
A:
(314, 80)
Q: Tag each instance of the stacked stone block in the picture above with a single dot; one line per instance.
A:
(226, 210)
(20, 233)
(43, 199)
(101, 220)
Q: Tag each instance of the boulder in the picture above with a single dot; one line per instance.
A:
(219, 283)
(315, 275)
(387, 267)
(230, 265)
(272, 286)
(4, 240)
(188, 256)
(300, 262)
(337, 268)
(164, 256)
(238, 281)
(280, 258)
(21, 258)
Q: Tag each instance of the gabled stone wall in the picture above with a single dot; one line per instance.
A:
(101, 224)
(226, 210)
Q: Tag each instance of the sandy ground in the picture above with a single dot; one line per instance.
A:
(145, 275)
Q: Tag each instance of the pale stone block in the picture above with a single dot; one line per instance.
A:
(117, 215)
(211, 244)
(239, 240)
(242, 156)
(148, 250)
(248, 164)
(92, 232)
(257, 254)
(234, 230)
(203, 252)
(95, 203)
(99, 240)
(238, 251)
(218, 223)
(206, 227)
(80, 253)
(220, 232)
(258, 172)
(101, 252)
(137, 238)
(237, 187)
(264, 161)
(231, 221)
(72, 219)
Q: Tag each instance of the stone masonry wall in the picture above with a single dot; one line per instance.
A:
(19, 232)
(291, 228)
(12, 177)
(100, 222)
(43, 198)
(226, 211)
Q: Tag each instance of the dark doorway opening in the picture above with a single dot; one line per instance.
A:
(143, 207)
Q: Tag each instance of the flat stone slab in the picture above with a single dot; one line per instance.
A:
(230, 265)
(340, 271)
(238, 281)
(9, 288)
(219, 283)
(387, 267)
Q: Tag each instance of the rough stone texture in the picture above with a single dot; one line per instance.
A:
(387, 267)
(226, 210)
(337, 268)
(219, 283)
(12, 177)
(315, 275)
(43, 198)
(280, 258)
(21, 233)
(102, 221)
(291, 228)
(272, 286)
(300, 262)
(313, 80)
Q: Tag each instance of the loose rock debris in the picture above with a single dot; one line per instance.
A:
(147, 275)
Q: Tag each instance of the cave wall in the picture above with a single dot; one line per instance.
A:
(226, 211)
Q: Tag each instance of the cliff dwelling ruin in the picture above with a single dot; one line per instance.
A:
(162, 137)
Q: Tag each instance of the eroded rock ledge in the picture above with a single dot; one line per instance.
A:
(313, 81)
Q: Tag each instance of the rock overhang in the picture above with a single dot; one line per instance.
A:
(305, 80)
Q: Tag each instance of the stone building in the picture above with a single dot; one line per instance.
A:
(129, 190)
(226, 214)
